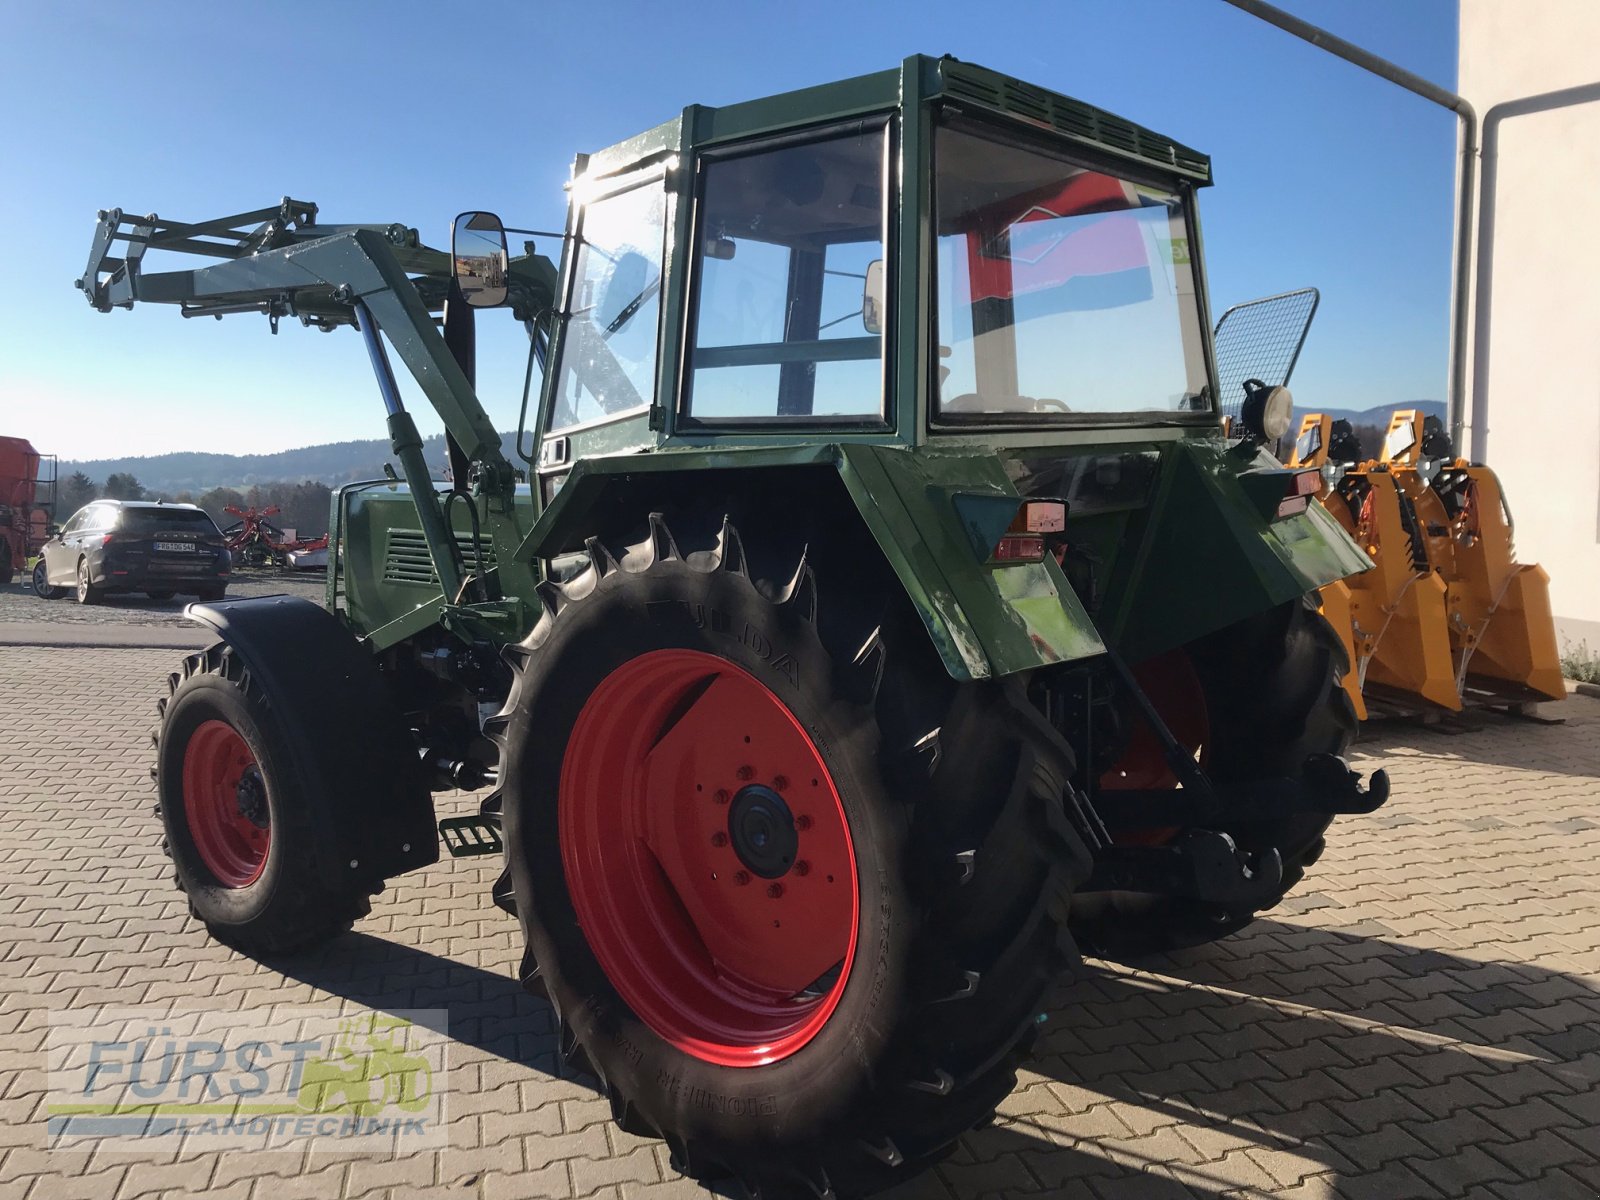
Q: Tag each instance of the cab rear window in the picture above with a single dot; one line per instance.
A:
(153, 520)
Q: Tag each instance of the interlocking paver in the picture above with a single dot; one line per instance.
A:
(1419, 1021)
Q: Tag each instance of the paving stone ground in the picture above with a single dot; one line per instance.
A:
(1421, 1020)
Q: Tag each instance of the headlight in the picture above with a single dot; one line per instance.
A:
(1266, 411)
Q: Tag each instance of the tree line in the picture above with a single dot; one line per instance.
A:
(303, 507)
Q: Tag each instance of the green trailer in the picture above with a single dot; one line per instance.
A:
(880, 619)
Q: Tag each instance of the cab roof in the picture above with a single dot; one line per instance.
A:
(919, 78)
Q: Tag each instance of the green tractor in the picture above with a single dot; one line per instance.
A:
(879, 617)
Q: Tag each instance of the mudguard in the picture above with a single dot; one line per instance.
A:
(342, 721)
(923, 508)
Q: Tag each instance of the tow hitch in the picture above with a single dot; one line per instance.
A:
(1327, 786)
(1201, 865)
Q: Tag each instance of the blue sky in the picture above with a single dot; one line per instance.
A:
(403, 112)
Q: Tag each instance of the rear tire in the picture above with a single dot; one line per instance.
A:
(952, 950)
(87, 592)
(1272, 688)
(225, 768)
(8, 569)
(162, 595)
(212, 594)
(41, 583)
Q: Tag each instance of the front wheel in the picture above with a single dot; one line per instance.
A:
(41, 583)
(238, 809)
(87, 592)
(794, 894)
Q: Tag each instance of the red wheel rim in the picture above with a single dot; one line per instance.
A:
(1169, 680)
(225, 803)
(666, 806)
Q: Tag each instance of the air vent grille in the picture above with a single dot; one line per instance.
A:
(406, 558)
(1071, 117)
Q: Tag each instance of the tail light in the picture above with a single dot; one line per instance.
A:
(1302, 486)
(1025, 539)
(108, 539)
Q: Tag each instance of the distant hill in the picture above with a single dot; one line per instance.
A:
(1371, 416)
(196, 471)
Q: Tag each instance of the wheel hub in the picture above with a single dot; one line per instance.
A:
(251, 797)
(762, 832)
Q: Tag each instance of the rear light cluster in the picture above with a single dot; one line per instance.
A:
(1024, 540)
(1302, 486)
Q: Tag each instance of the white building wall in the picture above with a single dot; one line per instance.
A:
(1531, 68)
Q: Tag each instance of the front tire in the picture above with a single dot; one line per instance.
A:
(238, 811)
(41, 583)
(850, 1043)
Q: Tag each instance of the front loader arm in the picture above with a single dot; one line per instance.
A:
(289, 266)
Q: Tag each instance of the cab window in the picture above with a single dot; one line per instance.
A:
(612, 332)
(786, 239)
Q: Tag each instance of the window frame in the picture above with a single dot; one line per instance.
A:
(685, 421)
(609, 189)
(984, 125)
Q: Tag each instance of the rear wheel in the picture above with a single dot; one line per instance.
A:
(162, 594)
(8, 569)
(41, 582)
(87, 592)
(210, 594)
(794, 895)
(238, 811)
(1271, 689)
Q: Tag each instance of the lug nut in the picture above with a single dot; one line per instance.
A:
(802, 867)
(747, 773)
(722, 796)
(742, 878)
(802, 822)
(780, 783)
(719, 839)
(775, 891)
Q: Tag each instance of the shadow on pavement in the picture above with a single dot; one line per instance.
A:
(1311, 1051)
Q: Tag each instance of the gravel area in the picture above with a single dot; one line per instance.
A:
(19, 603)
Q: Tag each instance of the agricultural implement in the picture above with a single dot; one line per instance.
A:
(1448, 616)
(255, 541)
(27, 503)
(879, 620)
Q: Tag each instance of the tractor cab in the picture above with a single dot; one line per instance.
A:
(929, 252)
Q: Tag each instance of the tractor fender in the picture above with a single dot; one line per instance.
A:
(343, 723)
(928, 516)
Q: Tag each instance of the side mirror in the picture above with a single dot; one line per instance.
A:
(872, 293)
(55, 531)
(478, 252)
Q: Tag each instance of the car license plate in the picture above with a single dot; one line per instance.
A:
(180, 547)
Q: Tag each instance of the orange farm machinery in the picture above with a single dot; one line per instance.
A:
(1446, 618)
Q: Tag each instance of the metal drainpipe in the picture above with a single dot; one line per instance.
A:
(1321, 38)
